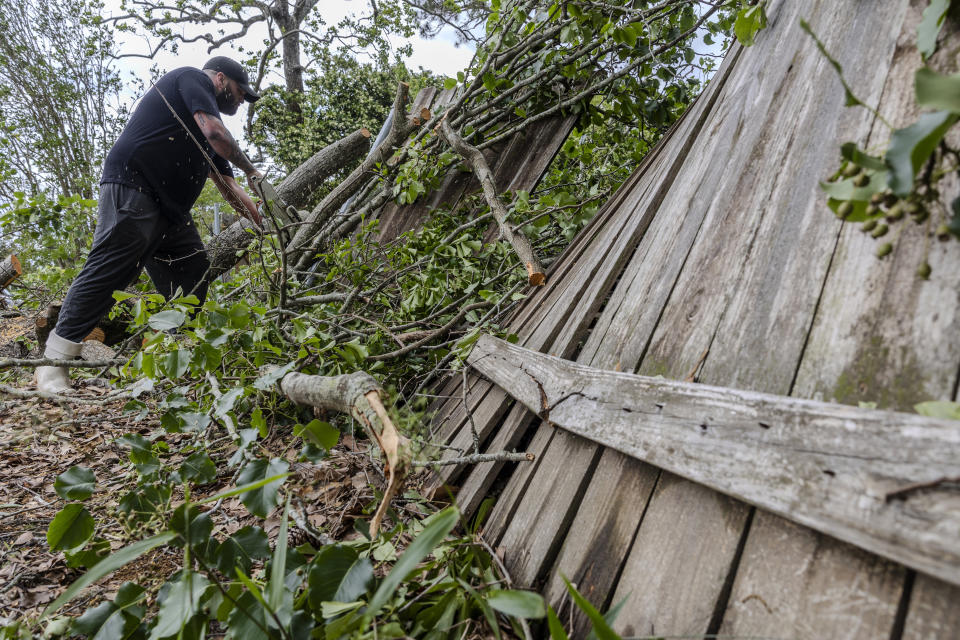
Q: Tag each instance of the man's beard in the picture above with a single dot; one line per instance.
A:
(225, 102)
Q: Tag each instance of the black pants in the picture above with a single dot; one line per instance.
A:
(132, 233)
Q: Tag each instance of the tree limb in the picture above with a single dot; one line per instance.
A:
(519, 242)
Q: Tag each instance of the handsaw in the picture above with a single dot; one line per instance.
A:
(274, 210)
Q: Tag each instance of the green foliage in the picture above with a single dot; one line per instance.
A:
(929, 29)
(342, 95)
(750, 20)
(59, 101)
(51, 237)
(880, 191)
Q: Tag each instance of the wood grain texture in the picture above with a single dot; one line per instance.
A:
(879, 335)
(623, 239)
(795, 583)
(934, 611)
(700, 559)
(828, 466)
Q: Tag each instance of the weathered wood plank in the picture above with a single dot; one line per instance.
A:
(584, 274)
(700, 559)
(828, 466)
(606, 520)
(515, 512)
(755, 272)
(879, 335)
(934, 610)
(767, 600)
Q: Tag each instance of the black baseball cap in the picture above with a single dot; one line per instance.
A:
(235, 71)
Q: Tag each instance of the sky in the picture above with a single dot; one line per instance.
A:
(439, 54)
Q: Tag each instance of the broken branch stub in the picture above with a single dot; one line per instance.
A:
(521, 245)
(358, 394)
(10, 270)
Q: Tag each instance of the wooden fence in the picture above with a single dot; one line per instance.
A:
(719, 262)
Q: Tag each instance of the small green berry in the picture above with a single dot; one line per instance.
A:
(884, 249)
(923, 271)
(869, 225)
(845, 209)
(880, 231)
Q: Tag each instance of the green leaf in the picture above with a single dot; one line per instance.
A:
(169, 319)
(258, 422)
(193, 525)
(106, 566)
(268, 380)
(850, 151)
(939, 409)
(70, 528)
(262, 500)
(248, 619)
(322, 434)
(937, 91)
(176, 363)
(278, 566)
(225, 402)
(911, 147)
(440, 525)
(331, 609)
(520, 604)
(557, 631)
(117, 619)
(198, 468)
(89, 555)
(338, 574)
(600, 626)
(141, 451)
(241, 549)
(244, 488)
(749, 21)
(930, 25)
(449, 83)
(181, 603)
(76, 483)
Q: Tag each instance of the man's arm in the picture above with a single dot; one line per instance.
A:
(224, 144)
(234, 194)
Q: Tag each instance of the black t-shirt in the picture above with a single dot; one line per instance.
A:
(155, 153)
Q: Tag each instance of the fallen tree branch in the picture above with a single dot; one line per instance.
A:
(399, 131)
(359, 395)
(52, 362)
(226, 248)
(477, 458)
(432, 334)
(300, 184)
(521, 245)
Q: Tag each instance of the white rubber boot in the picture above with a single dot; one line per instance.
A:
(57, 379)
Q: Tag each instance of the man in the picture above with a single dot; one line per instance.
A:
(151, 178)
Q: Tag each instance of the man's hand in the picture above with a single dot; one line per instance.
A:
(234, 194)
(253, 178)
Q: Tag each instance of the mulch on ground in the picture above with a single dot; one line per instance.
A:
(41, 439)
